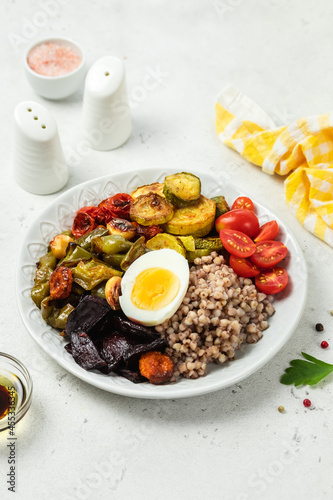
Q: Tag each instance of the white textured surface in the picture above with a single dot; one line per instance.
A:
(78, 442)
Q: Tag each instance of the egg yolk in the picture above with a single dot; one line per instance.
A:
(154, 288)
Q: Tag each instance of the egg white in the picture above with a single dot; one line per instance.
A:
(166, 259)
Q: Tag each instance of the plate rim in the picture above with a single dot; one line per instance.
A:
(171, 391)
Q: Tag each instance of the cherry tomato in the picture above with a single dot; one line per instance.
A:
(243, 267)
(269, 253)
(83, 223)
(241, 220)
(272, 281)
(119, 205)
(243, 202)
(147, 231)
(268, 231)
(237, 243)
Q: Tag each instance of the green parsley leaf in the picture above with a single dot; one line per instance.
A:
(306, 372)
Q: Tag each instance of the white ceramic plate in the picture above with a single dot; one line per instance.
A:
(59, 216)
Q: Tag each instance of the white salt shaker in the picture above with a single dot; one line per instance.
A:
(38, 159)
(106, 119)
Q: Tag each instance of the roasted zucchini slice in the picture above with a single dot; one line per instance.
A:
(151, 209)
(201, 252)
(156, 187)
(182, 189)
(188, 242)
(222, 206)
(197, 220)
(211, 243)
(164, 240)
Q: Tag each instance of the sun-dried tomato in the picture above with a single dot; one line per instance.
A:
(156, 367)
(119, 205)
(61, 281)
(147, 231)
(83, 223)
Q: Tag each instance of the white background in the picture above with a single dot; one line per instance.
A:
(78, 442)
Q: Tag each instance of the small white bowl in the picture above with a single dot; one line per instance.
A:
(56, 87)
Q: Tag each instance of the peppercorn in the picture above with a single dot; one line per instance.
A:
(281, 409)
(324, 344)
(319, 327)
(307, 403)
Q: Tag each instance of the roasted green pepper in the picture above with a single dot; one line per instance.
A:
(110, 244)
(114, 260)
(75, 255)
(138, 249)
(85, 240)
(92, 273)
(39, 292)
(54, 316)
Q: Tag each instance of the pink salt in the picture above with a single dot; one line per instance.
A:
(53, 59)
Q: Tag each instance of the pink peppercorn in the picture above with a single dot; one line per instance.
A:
(324, 344)
(307, 403)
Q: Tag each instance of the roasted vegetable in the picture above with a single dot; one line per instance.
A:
(211, 243)
(54, 316)
(99, 290)
(151, 209)
(112, 292)
(222, 206)
(85, 352)
(85, 240)
(45, 267)
(59, 245)
(201, 252)
(75, 254)
(113, 260)
(83, 223)
(156, 367)
(39, 292)
(147, 231)
(165, 240)
(197, 220)
(88, 315)
(92, 273)
(61, 283)
(121, 227)
(138, 249)
(156, 187)
(182, 189)
(117, 205)
(188, 242)
(110, 244)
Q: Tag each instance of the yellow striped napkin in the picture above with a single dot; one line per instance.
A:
(304, 150)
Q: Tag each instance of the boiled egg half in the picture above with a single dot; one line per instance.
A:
(154, 286)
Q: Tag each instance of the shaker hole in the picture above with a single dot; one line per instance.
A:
(35, 117)
(107, 73)
(29, 109)
(43, 126)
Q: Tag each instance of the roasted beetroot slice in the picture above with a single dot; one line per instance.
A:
(85, 353)
(87, 314)
(135, 377)
(115, 347)
(68, 348)
(125, 325)
(132, 356)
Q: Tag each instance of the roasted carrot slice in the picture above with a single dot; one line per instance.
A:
(61, 283)
(156, 367)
